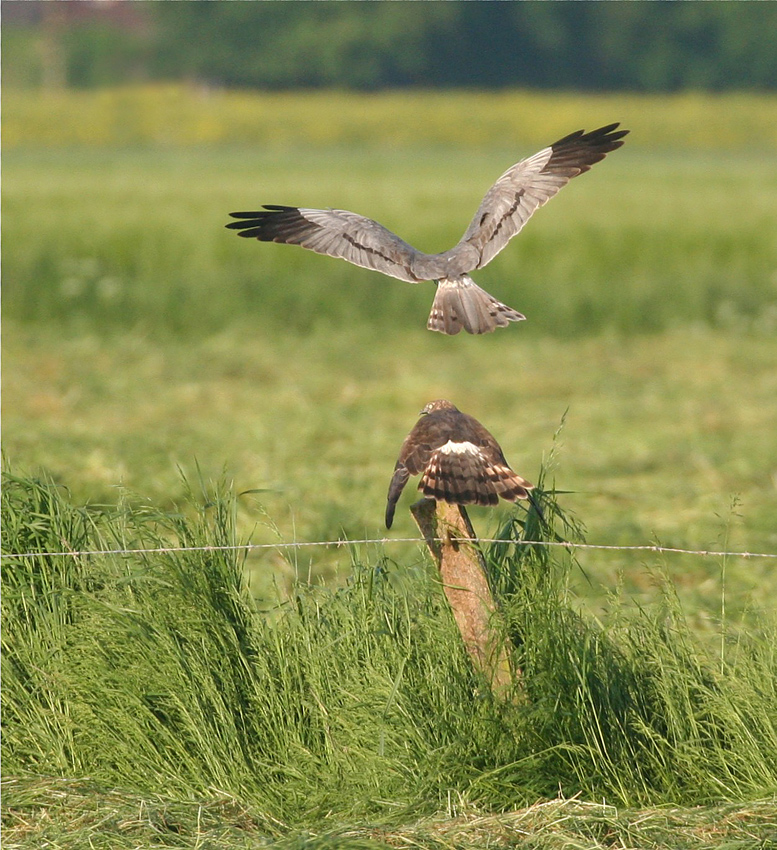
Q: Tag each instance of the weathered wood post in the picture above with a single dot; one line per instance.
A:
(451, 540)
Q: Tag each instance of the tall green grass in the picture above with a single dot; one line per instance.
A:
(157, 674)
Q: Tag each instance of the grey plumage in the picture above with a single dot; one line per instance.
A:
(458, 459)
(507, 206)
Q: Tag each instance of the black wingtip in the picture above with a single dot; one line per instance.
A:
(605, 138)
(252, 223)
(608, 130)
(263, 211)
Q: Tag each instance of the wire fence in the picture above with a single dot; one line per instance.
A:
(248, 547)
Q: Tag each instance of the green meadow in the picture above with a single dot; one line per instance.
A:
(164, 381)
(147, 702)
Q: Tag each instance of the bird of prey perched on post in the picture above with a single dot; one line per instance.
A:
(458, 459)
(507, 206)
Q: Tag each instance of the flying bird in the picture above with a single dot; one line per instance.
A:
(458, 459)
(507, 206)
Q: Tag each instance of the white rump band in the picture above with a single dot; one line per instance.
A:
(451, 448)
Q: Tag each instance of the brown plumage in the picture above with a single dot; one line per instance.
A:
(458, 459)
(459, 303)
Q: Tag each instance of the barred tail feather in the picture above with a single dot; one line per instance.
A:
(461, 303)
(462, 479)
(509, 485)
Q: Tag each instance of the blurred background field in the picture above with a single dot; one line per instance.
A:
(177, 115)
(141, 336)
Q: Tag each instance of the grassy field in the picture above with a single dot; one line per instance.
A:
(355, 705)
(141, 341)
(320, 440)
(141, 336)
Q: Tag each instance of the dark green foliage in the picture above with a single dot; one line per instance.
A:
(657, 46)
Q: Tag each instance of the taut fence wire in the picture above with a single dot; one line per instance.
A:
(249, 547)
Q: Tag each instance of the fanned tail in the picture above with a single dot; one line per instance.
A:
(465, 478)
(461, 303)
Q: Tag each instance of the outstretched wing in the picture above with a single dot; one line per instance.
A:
(529, 184)
(336, 233)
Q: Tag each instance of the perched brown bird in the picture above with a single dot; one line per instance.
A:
(508, 205)
(459, 461)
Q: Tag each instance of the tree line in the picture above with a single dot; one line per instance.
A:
(636, 46)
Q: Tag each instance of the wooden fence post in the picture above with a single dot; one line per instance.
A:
(451, 540)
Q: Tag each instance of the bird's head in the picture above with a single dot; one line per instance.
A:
(440, 404)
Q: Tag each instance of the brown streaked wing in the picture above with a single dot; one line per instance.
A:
(471, 431)
(428, 433)
(335, 233)
(529, 184)
(397, 485)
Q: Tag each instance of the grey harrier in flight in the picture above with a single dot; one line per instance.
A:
(508, 205)
(459, 461)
